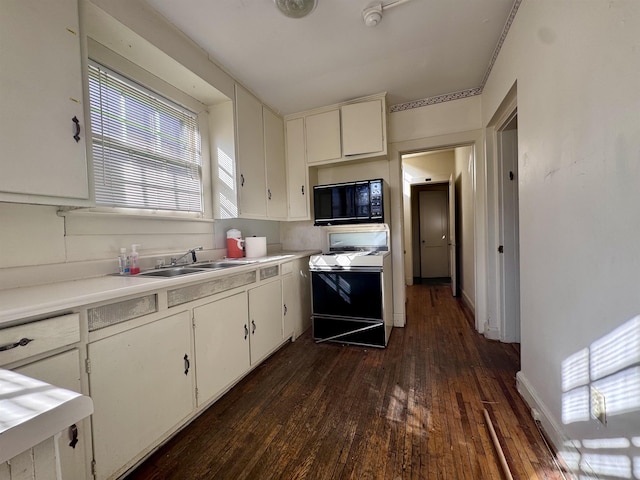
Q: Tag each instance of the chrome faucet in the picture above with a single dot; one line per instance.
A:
(174, 261)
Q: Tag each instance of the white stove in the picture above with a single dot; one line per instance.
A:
(351, 286)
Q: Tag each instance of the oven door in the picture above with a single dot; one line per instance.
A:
(348, 293)
(347, 306)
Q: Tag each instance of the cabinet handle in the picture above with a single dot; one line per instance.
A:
(73, 435)
(241, 180)
(269, 193)
(19, 343)
(246, 331)
(285, 308)
(76, 135)
(187, 364)
(253, 327)
(302, 189)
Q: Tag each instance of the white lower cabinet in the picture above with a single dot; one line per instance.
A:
(265, 316)
(63, 370)
(296, 296)
(221, 344)
(142, 387)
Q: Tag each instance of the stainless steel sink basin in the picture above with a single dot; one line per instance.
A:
(171, 272)
(214, 265)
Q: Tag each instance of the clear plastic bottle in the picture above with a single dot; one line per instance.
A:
(122, 261)
(134, 268)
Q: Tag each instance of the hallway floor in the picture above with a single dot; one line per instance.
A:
(328, 411)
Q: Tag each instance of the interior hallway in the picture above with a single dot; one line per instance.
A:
(413, 410)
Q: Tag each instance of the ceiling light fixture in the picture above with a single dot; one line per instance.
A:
(296, 8)
(372, 15)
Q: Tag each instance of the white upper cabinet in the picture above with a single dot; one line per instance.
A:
(323, 136)
(345, 132)
(261, 175)
(275, 165)
(362, 128)
(297, 181)
(41, 98)
(251, 179)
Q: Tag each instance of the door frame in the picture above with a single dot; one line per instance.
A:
(476, 140)
(495, 327)
(415, 229)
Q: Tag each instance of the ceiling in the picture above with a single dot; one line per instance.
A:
(420, 49)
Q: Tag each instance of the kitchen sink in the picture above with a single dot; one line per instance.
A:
(171, 272)
(215, 265)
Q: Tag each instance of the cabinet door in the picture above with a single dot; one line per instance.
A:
(296, 296)
(63, 371)
(141, 388)
(291, 306)
(275, 165)
(323, 136)
(222, 344)
(297, 182)
(362, 128)
(251, 170)
(265, 315)
(40, 94)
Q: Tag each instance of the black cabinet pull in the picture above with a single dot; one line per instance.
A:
(187, 364)
(76, 135)
(285, 308)
(241, 180)
(303, 189)
(246, 331)
(253, 327)
(73, 435)
(269, 192)
(19, 343)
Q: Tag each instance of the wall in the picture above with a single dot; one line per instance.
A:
(465, 234)
(576, 67)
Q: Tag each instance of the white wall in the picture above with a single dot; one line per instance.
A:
(464, 171)
(576, 64)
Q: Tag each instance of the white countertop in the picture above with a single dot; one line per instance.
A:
(40, 300)
(32, 411)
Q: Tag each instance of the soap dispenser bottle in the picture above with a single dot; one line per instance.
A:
(134, 269)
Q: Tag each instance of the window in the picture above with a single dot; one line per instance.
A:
(146, 149)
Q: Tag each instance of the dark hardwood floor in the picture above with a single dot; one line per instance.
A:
(411, 411)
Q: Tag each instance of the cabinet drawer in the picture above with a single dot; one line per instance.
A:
(286, 268)
(23, 341)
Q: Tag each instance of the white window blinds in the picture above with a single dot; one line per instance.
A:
(146, 150)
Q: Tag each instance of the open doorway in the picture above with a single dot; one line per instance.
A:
(508, 226)
(439, 218)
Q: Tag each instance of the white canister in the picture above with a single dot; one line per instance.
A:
(255, 247)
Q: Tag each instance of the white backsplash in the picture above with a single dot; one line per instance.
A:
(302, 236)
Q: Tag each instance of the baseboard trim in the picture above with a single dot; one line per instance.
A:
(468, 302)
(566, 448)
(399, 320)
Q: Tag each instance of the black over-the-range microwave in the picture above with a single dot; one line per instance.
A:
(349, 202)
